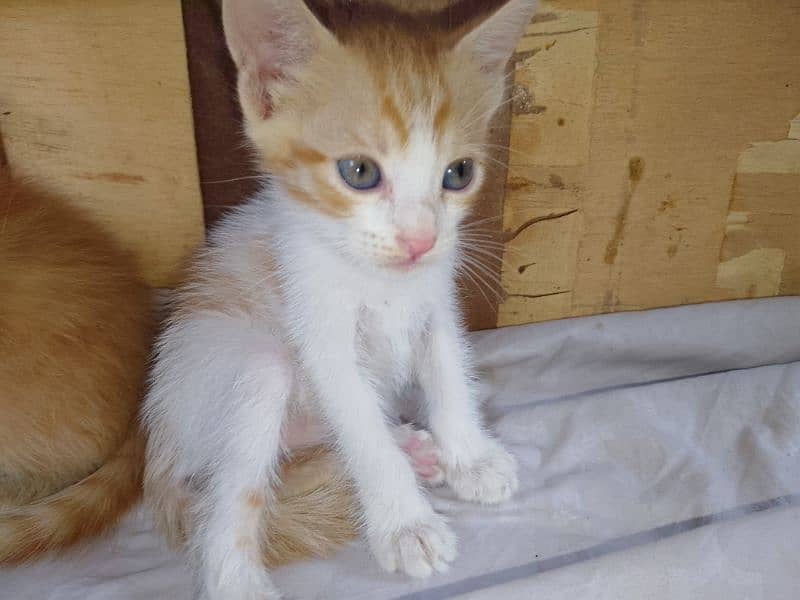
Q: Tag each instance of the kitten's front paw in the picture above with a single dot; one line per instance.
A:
(267, 592)
(490, 479)
(243, 580)
(417, 549)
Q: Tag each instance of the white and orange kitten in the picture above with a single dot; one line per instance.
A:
(314, 305)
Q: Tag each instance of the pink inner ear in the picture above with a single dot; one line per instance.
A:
(266, 77)
(267, 39)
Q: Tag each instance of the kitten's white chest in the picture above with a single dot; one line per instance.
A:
(389, 332)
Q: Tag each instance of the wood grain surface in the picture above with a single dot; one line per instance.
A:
(94, 103)
(651, 138)
(654, 144)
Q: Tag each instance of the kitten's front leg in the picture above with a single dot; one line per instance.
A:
(403, 531)
(476, 466)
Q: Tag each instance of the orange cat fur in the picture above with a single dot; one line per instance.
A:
(75, 333)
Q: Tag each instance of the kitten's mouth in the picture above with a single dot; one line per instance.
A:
(405, 264)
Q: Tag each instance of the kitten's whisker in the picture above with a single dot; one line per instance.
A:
(474, 231)
(471, 224)
(477, 286)
(488, 113)
(484, 285)
(484, 245)
(527, 155)
(480, 283)
(472, 118)
(262, 176)
(490, 90)
(495, 285)
(480, 260)
(486, 253)
(478, 103)
(508, 251)
(480, 235)
(482, 239)
(512, 169)
(500, 163)
(498, 252)
(490, 240)
(469, 115)
(487, 271)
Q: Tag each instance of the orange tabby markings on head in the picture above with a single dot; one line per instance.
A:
(378, 80)
(442, 117)
(391, 113)
(321, 196)
(306, 155)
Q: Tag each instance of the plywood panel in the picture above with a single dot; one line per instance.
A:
(555, 65)
(762, 233)
(665, 125)
(94, 99)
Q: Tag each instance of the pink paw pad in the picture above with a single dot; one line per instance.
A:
(422, 452)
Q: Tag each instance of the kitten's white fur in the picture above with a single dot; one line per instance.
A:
(223, 385)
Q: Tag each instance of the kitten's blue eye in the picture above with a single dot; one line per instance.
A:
(359, 173)
(458, 174)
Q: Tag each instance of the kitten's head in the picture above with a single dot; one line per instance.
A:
(376, 120)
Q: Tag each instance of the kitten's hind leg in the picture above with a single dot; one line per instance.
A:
(308, 431)
(233, 507)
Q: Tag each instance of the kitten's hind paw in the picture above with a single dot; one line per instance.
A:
(236, 577)
(418, 549)
(490, 479)
(423, 453)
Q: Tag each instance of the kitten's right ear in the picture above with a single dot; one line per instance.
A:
(268, 40)
(493, 40)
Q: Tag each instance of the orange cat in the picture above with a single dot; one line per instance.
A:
(75, 333)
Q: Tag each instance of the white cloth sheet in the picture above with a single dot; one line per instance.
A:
(659, 457)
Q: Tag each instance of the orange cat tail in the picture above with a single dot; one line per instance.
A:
(83, 510)
(315, 511)
(312, 515)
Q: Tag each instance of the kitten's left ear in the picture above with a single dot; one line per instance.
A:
(493, 40)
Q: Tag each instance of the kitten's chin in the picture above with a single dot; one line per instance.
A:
(403, 266)
(396, 266)
(408, 265)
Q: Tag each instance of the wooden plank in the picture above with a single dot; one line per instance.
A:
(654, 119)
(225, 162)
(94, 101)
(550, 134)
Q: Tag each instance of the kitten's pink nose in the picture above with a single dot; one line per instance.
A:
(416, 244)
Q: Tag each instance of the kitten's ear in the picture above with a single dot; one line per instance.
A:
(493, 40)
(268, 40)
